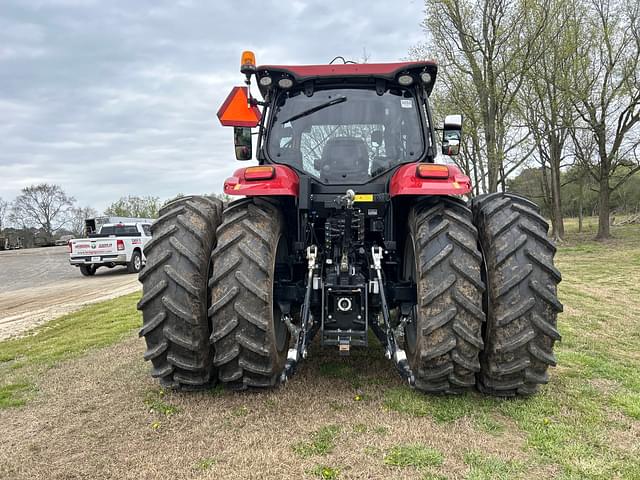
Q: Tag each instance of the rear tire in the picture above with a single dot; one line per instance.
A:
(135, 264)
(88, 270)
(521, 302)
(443, 339)
(250, 339)
(175, 293)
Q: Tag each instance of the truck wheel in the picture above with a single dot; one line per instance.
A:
(250, 339)
(521, 301)
(443, 336)
(175, 293)
(87, 270)
(135, 264)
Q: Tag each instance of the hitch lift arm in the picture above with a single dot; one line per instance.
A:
(301, 333)
(392, 351)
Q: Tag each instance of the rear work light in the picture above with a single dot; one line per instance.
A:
(120, 244)
(432, 170)
(259, 173)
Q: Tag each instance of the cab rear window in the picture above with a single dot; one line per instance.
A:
(120, 230)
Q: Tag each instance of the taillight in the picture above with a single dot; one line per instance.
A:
(432, 170)
(69, 247)
(120, 244)
(259, 173)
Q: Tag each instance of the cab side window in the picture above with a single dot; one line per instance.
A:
(147, 229)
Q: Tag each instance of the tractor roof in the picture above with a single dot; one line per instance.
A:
(327, 73)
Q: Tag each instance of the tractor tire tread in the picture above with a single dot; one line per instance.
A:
(522, 301)
(174, 301)
(242, 303)
(450, 290)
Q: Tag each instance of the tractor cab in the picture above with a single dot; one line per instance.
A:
(345, 123)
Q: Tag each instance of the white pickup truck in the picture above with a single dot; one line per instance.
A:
(116, 244)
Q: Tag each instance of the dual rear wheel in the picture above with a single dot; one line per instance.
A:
(207, 299)
(487, 295)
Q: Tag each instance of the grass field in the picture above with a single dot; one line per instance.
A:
(76, 401)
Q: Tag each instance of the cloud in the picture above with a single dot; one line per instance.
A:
(116, 98)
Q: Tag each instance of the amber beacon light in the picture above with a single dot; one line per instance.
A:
(248, 62)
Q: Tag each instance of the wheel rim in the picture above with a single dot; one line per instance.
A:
(410, 273)
(137, 262)
(280, 270)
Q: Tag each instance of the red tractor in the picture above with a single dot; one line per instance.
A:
(347, 225)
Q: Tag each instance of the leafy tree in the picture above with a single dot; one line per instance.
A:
(224, 197)
(172, 199)
(43, 206)
(134, 206)
(530, 183)
(606, 96)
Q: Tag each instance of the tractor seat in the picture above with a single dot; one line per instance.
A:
(342, 156)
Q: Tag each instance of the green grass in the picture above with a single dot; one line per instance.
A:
(321, 442)
(325, 473)
(205, 464)
(444, 409)
(95, 326)
(336, 369)
(433, 476)
(155, 403)
(15, 394)
(413, 455)
(69, 336)
(487, 467)
(629, 403)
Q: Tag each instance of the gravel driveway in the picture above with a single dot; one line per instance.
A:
(37, 285)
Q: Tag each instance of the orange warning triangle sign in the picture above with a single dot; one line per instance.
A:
(235, 111)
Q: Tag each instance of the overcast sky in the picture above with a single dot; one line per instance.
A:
(111, 98)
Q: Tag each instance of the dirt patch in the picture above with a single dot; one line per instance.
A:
(90, 420)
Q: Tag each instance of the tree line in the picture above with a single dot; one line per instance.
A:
(552, 85)
(45, 212)
(579, 193)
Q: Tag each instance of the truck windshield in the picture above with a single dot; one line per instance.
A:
(345, 135)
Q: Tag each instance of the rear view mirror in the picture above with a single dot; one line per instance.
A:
(242, 141)
(451, 135)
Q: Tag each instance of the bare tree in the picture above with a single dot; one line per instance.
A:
(455, 95)
(77, 218)
(492, 43)
(606, 96)
(3, 213)
(545, 100)
(43, 206)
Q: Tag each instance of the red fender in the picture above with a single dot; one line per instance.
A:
(285, 181)
(406, 182)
